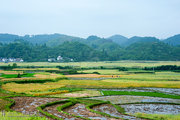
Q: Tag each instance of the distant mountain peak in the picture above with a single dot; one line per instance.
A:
(93, 37)
(174, 40)
(119, 39)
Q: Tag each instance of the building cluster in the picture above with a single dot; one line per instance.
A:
(6, 60)
(60, 59)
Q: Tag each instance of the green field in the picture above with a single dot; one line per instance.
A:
(104, 72)
(98, 64)
(16, 75)
(158, 76)
(150, 94)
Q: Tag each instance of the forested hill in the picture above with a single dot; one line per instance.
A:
(57, 39)
(42, 47)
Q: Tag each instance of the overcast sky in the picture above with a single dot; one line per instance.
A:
(159, 18)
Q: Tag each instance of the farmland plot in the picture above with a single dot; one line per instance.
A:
(86, 96)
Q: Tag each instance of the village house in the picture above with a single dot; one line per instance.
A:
(6, 60)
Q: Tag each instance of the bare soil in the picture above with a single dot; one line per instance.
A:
(28, 105)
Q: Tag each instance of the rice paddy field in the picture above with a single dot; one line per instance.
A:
(98, 64)
(91, 93)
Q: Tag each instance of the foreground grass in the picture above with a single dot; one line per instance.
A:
(159, 116)
(18, 116)
(3, 104)
(150, 94)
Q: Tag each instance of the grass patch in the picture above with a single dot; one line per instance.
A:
(69, 89)
(27, 75)
(18, 116)
(9, 75)
(3, 104)
(158, 116)
(16, 75)
(150, 94)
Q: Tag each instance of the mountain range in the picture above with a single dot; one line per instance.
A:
(57, 39)
(93, 48)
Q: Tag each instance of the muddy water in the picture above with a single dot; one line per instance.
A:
(152, 108)
(109, 109)
(174, 91)
(165, 90)
(124, 89)
(53, 110)
(80, 110)
(122, 99)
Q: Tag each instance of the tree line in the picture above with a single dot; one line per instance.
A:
(83, 52)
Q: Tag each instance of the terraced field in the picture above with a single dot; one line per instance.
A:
(104, 96)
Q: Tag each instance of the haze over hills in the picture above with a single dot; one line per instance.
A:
(117, 47)
(119, 39)
(174, 40)
(57, 39)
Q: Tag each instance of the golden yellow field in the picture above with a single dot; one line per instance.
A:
(51, 93)
(34, 69)
(10, 72)
(48, 76)
(92, 76)
(37, 76)
(28, 88)
(104, 71)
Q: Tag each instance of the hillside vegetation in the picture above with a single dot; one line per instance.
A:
(41, 47)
